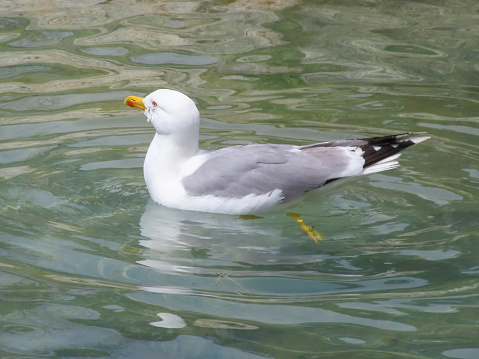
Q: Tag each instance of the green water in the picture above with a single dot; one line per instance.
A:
(92, 268)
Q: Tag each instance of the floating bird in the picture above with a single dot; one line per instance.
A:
(246, 179)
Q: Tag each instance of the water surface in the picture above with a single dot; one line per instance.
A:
(91, 267)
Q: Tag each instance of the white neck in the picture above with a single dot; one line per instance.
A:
(169, 152)
(164, 160)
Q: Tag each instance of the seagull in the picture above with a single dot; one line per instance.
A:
(252, 178)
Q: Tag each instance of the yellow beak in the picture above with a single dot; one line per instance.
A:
(135, 101)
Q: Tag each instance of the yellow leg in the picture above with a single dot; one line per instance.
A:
(310, 231)
(249, 216)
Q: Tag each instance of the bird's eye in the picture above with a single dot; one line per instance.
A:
(154, 104)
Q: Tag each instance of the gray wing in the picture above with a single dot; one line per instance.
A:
(238, 171)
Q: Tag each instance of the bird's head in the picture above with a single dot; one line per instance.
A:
(170, 112)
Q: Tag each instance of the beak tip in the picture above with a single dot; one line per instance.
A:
(134, 101)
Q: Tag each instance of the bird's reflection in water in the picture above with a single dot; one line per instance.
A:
(197, 242)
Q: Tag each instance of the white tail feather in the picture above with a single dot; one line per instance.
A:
(383, 165)
(386, 164)
(388, 159)
(417, 140)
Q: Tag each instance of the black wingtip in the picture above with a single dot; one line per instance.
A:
(379, 148)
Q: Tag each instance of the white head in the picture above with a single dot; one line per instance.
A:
(170, 112)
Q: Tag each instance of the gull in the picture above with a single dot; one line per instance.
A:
(252, 178)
